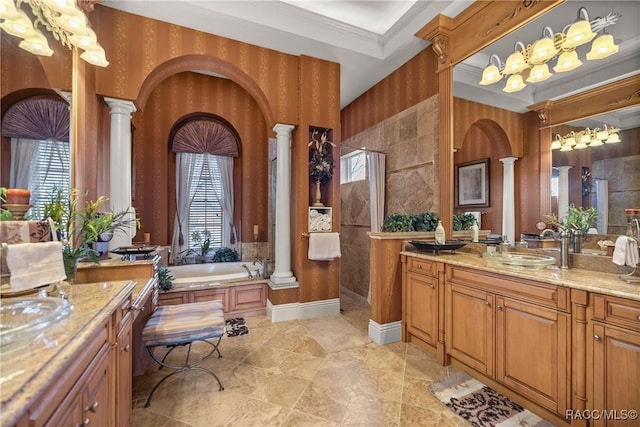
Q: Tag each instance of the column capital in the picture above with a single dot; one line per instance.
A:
(120, 106)
(508, 160)
(282, 129)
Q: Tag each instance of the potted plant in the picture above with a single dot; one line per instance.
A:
(579, 218)
(426, 221)
(463, 221)
(78, 229)
(397, 222)
(226, 255)
(202, 239)
(165, 279)
(5, 215)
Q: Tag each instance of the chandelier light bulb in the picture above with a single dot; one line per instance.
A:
(566, 147)
(539, 73)
(514, 84)
(602, 134)
(515, 63)
(602, 47)
(613, 138)
(570, 139)
(567, 61)
(557, 143)
(595, 142)
(579, 32)
(490, 75)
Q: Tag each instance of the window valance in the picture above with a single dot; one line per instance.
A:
(37, 118)
(205, 136)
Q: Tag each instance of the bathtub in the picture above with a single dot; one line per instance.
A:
(208, 273)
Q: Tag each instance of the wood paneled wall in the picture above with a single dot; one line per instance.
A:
(143, 51)
(174, 98)
(319, 107)
(411, 83)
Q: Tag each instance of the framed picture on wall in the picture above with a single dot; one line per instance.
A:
(472, 184)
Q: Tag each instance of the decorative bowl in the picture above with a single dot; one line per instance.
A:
(432, 246)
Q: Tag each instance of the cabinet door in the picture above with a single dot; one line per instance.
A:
(98, 405)
(422, 307)
(123, 375)
(533, 352)
(616, 370)
(470, 327)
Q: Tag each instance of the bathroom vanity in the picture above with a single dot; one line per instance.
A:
(554, 340)
(78, 370)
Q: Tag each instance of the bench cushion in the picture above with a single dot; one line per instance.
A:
(184, 323)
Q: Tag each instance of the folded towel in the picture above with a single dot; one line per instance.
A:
(625, 252)
(324, 246)
(34, 264)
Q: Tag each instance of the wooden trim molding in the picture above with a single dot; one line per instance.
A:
(606, 98)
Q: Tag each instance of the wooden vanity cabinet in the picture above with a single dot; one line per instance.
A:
(422, 280)
(613, 358)
(123, 362)
(515, 331)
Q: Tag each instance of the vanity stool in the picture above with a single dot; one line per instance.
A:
(181, 325)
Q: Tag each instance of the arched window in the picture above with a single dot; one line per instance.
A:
(40, 158)
(205, 146)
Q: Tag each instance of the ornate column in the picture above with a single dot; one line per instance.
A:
(282, 275)
(563, 192)
(508, 199)
(120, 161)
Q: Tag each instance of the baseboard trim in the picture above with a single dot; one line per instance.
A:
(305, 310)
(385, 333)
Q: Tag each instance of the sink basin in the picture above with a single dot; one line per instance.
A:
(519, 261)
(21, 318)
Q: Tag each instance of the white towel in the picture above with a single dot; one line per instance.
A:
(34, 264)
(324, 246)
(625, 251)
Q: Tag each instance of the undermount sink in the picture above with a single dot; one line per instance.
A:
(20, 318)
(519, 261)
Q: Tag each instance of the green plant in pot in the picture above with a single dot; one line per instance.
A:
(397, 222)
(426, 221)
(79, 228)
(226, 255)
(463, 221)
(165, 279)
(202, 241)
(579, 218)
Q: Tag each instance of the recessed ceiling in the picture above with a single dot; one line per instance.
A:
(371, 39)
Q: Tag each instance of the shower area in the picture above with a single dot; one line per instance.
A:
(362, 187)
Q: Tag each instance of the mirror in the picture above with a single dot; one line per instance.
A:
(603, 177)
(591, 74)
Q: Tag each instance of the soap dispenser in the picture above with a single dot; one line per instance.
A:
(474, 232)
(440, 236)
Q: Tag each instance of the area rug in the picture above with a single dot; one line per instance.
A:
(480, 405)
(236, 326)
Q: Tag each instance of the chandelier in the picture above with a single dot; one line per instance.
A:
(530, 63)
(62, 18)
(586, 138)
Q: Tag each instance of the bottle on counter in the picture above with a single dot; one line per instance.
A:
(474, 232)
(505, 246)
(440, 236)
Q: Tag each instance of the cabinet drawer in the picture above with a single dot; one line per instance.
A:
(422, 266)
(618, 311)
(526, 290)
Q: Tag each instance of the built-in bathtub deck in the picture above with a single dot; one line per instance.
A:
(241, 297)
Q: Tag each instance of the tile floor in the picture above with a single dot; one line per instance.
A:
(316, 372)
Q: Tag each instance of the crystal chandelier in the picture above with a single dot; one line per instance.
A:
(62, 18)
(530, 63)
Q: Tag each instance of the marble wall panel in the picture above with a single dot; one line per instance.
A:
(410, 140)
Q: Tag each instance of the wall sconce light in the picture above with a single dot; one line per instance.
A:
(561, 46)
(586, 138)
(62, 18)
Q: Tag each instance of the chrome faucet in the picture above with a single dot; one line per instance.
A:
(248, 271)
(259, 273)
(564, 236)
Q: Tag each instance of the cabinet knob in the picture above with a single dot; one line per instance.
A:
(597, 337)
(638, 317)
(499, 307)
(126, 348)
(432, 286)
(487, 303)
(86, 422)
(137, 308)
(93, 408)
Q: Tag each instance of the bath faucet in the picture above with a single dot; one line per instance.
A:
(259, 273)
(248, 271)
(564, 236)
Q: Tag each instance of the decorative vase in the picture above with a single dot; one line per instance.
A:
(70, 267)
(318, 195)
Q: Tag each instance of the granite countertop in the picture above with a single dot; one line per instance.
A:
(28, 370)
(182, 287)
(577, 278)
(111, 262)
